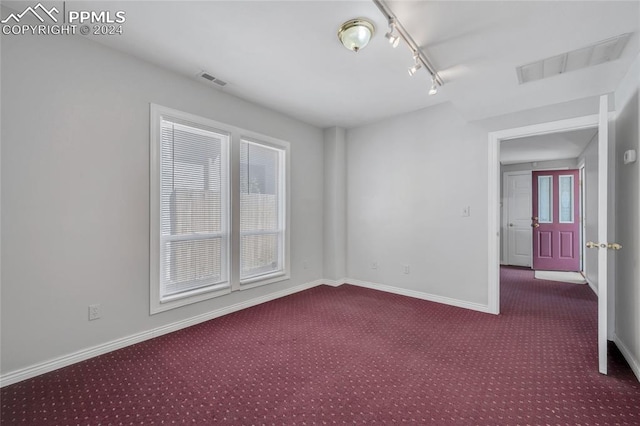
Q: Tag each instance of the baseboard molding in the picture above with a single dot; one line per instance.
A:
(633, 362)
(82, 355)
(420, 295)
(336, 283)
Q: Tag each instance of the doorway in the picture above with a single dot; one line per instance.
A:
(599, 121)
(541, 215)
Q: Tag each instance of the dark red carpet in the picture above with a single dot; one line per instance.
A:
(353, 355)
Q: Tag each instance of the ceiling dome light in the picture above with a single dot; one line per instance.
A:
(356, 33)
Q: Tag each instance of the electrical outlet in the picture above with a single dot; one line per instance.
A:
(466, 211)
(374, 265)
(94, 312)
(406, 269)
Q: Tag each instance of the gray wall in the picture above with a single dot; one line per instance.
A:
(75, 193)
(75, 198)
(409, 178)
(335, 204)
(627, 216)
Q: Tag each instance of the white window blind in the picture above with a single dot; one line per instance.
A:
(194, 240)
(262, 211)
(191, 189)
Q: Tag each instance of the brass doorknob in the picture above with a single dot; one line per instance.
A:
(614, 246)
(591, 244)
(535, 225)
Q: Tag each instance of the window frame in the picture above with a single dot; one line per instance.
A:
(233, 282)
(571, 201)
(550, 195)
(158, 303)
(283, 220)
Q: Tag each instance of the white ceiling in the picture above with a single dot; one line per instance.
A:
(556, 146)
(478, 45)
(285, 54)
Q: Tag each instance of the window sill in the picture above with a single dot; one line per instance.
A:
(188, 298)
(264, 280)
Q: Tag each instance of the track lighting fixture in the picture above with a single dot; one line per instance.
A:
(354, 34)
(397, 32)
(394, 39)
(434, 86)
(416, 65)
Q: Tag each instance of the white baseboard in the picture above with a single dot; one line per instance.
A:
(84, 354)
(633, 363)
(336, 283)
(420, 295)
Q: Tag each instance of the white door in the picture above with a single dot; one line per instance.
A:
(603, 237)
(517, 187)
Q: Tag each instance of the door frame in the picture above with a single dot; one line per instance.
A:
(494, 237)
(583, 224)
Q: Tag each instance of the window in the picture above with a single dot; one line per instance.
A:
(566, 198)
(190, 225)
(261, 211)
(545, 199)
(196, 165)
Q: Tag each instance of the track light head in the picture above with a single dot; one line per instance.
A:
(434, 86)
(393, 38)
(416, 66)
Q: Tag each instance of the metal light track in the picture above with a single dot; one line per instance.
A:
(386, 11)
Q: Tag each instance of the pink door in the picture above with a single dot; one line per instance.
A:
(555, 221)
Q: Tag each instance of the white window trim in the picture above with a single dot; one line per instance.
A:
(551, 194)
(283, 226)
(157, 302)
(285, 273)
(573, 195)
(236, 134)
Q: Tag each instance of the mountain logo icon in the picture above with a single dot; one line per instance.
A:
(38, 11)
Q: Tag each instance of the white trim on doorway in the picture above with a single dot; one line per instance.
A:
(495, 138)
(583, 197)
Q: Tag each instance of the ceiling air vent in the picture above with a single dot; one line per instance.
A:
(598, 53)
(212, 79)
